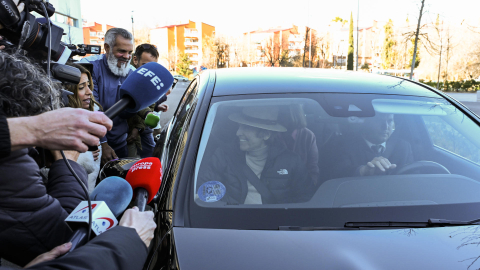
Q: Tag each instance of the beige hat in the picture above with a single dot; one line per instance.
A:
(260, 117)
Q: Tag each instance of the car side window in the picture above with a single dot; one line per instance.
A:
(447, 137)
(185, 97)
(178, 136)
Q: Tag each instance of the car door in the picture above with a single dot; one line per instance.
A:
(171, 149)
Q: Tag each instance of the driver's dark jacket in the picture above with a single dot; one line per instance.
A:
(356, 153)
(284, 178)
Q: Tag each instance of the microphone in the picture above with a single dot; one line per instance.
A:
(152, 120)
(109, 199)
(141, 89)
(145, 177)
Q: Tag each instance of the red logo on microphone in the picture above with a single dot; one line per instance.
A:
(109, 220)
(85, 208)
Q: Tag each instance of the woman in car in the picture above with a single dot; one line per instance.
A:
(259, 169)
(83, 98)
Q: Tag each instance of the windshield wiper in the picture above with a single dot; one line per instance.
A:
(431, 223)
(298, 228)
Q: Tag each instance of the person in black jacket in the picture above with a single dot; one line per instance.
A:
(32, 211)
(260, 170)
(374, 152)
(140, 136)
(106, 251)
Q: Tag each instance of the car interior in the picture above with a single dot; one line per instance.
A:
(440, 174)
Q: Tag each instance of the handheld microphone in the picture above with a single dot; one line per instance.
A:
(145, 177)
(152, 120)
(109, 199)
(142, 88)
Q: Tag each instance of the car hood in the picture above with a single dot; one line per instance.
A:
(429, 248)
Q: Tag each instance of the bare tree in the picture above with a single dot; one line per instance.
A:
(323, 46)
(271, 51)
(222, 52)
(306, 40)
(416, 39)
(172, 57)
(142, 35)
(208, 53)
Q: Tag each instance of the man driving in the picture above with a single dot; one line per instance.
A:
(374, 152)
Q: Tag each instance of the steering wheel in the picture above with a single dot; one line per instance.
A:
(425, 167)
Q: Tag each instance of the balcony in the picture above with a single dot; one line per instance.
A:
(192, 51)
(190, 33)
(295, 38)
(191, 43)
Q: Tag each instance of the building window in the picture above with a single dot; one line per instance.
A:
(93, 34)
(60, 18)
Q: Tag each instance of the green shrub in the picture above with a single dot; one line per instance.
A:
(455, 86)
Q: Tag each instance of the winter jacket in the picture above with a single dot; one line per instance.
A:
(107, 92)
(92, 167)
(32, 213)
(303, 142)
(283, 178)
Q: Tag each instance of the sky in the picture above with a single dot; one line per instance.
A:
(236, 17)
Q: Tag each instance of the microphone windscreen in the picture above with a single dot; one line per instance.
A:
(152, 120)
(116, 192)
(146, 173)
(146, 85)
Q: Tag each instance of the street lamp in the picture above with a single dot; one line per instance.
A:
(358, 14)
(133, 31)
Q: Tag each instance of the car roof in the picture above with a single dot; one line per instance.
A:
(237, 81)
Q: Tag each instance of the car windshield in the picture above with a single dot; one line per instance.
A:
(294, 157)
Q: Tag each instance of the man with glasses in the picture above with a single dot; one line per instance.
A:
(140, 136)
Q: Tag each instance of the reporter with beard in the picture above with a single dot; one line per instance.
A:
(109, 72)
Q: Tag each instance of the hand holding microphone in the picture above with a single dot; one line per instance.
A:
(142, 222)
(116, 193)
(62, 129)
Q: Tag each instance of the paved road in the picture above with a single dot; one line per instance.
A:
(474, 106)
(467, 99)
(172, 101)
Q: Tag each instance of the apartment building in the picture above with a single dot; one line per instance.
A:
(94, 33)
(281, 38)
(176, 39)
(68, 15)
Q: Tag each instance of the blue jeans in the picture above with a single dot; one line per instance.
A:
(120, 151)
(148, 144)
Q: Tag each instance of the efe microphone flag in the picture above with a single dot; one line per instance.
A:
(146, 85)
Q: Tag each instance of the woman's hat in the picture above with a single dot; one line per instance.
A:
(260, 117)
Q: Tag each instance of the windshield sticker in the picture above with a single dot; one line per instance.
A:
(211, 191)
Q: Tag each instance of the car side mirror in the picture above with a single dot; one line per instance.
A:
(175, 81)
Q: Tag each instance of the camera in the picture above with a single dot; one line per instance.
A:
(41, 39)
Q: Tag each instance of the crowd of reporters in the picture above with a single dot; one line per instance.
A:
(33, 206)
